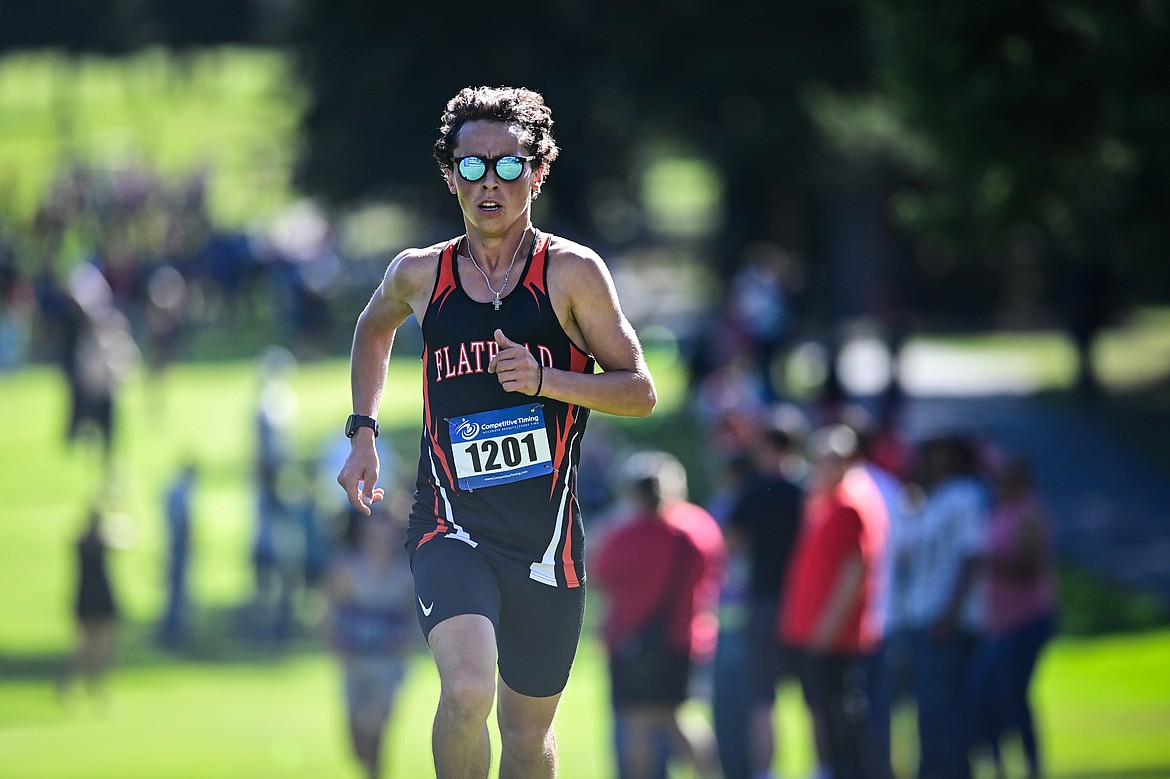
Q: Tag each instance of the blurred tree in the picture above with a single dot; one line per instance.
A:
(726, 79)
(97, 26)
(185, 24)
(120, 26)
(1046, 119)
(1030, 133)
(379, 75)
(732, 78)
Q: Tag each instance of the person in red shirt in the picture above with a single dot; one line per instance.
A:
(660, 568)
(825, 615)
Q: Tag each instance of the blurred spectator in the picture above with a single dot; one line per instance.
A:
(887, 444)
(595, 479)
(95, 607)
(1092, 303)
(732, 688)
(276, 409)
(872, 479)
(762, 527)
(307, 275)
(372, 628)
(938, 550)
(278, 555)
(307, 516)
(230, 268)
(661, 568)
(100, 352)
(278, 543)
(17, 307)
(759, 307)
(827, 612)
(1018, 566)
(174, 629)
(166, 311)
(832, 399)
(729, 403)
(729, 482)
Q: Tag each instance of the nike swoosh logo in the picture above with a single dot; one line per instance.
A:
(426, 609)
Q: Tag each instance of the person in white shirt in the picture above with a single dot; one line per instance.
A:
(937, 552)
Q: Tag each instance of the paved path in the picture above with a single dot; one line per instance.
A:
(1111, 508)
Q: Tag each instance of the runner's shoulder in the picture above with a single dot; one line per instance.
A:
(572, 254)
(413, 258)
(414, 269)
(575, 266)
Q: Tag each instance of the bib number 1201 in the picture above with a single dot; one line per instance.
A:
(498, 447)
(509, 452)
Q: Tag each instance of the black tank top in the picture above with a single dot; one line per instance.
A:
(534, 523)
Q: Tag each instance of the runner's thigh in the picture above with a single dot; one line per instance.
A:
(540, 627)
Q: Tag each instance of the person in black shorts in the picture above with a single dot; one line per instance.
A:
(95, 608)
(763, 525)
(513, 323)
(660, 567)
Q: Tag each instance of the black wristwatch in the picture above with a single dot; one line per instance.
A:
(358, 420)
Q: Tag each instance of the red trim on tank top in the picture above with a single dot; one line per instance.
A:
(571, 578)
(560, 454)
(432, 423)
(445, 276)
(536, 278)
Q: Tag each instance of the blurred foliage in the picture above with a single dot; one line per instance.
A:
(620, 84)
(938, 140)
(121, 26)
(1092, 605)
(1043, 117)
(970, 161)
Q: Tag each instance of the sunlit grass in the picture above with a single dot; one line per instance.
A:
(233, 711)
(234, 111)
(1130, 353)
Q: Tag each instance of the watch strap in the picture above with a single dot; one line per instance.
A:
(360, 420)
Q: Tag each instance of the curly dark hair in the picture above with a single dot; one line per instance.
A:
(511, 105)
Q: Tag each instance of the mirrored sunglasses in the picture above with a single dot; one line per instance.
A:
(508, 168)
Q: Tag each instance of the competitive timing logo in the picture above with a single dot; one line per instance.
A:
(467, 429)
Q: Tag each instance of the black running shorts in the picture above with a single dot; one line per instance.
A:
(537, 626)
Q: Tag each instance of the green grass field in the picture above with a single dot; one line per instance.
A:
(231, 710)
(234, 110)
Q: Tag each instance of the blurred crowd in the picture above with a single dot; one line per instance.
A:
(872, 571)
(136, 243)
(875, 572)
(830, 550)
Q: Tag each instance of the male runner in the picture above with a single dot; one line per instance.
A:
(513, 322)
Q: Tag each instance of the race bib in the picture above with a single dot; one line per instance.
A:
(497, 447)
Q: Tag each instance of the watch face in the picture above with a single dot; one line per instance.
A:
(355, 421)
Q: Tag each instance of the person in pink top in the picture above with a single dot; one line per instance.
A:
(660, 568)
(1021, 603)
(826, 614)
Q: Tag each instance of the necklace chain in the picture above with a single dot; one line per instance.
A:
(507, 274)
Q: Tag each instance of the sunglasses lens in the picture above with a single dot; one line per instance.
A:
(509, 168)
(472, 168)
